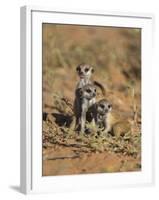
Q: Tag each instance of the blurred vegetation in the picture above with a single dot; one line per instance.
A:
(115, 54)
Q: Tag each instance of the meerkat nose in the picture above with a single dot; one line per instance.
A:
(81, 73)
(94, 94)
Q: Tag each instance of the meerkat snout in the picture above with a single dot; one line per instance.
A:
(84, 70)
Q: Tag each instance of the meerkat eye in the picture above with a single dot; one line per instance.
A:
(109, 106)
(95, 90)
(88, 90)
(102, 106)
(86, 70)
(78, 69)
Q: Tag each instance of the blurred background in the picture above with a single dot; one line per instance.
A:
(114, 52)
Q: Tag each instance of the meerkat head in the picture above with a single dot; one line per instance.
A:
(88, 91)
(84, 70)
(103, 107)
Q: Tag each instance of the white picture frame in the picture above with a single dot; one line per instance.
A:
(31, 100)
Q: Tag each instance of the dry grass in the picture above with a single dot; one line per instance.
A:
(59, 131)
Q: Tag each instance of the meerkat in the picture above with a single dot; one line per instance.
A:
(106, 120)
(100, 113)
(85, 72)
(84, 99)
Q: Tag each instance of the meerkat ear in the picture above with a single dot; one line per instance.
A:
(92, 70)
(80, 91)
(77, 68)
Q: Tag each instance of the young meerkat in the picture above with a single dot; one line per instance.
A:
(85, 98)
(85, 72)
(107, 120)
(100, 112)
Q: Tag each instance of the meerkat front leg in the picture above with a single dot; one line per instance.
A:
(107, 126)
(93, 102)
(93, 123)
(83, 117)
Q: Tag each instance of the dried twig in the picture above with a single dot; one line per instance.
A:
(61, 157)
(67, 102)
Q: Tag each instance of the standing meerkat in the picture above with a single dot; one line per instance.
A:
(85, 98)
(85, 72)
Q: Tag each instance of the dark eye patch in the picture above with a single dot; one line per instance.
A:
(88, 90)
(78, 69)
(102, 106)
(109, 106)
(86, 70)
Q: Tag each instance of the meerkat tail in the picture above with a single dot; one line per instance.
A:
(101, 87)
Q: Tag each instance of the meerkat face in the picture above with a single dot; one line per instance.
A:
(88, 91)
(84, 71)
(103, 107)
